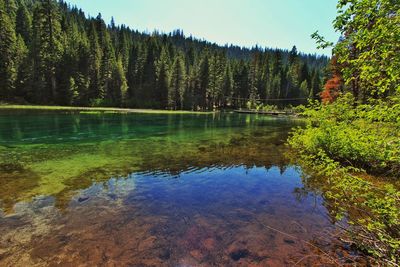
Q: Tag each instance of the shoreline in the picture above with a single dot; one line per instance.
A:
(100, 109)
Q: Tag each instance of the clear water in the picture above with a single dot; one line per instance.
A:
(155, 190)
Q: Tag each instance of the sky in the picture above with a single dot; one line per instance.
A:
(267, 23)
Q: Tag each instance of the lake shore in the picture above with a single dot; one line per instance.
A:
(101, 109)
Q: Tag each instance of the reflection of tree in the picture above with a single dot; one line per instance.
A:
(73, 149)
(365, 210)
(242, 150)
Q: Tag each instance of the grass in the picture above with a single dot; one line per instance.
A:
(100, 109)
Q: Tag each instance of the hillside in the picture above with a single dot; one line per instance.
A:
(56, 55)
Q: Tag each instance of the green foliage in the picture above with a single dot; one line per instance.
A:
(47, 48)
(47, 44)
(359, 134)
(371, 212)
(366, 136)
(343, 142)
(269, 107)
(177, 82)
(369, 51)
(322, 43)
(8, 67)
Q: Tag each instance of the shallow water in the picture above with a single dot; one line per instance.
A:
(155, 190)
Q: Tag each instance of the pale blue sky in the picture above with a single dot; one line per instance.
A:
(271, 23)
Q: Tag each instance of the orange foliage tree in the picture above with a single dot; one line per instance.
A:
(333, 86)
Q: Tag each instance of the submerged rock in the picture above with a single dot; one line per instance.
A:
(165, 254)
(82, 199)
(289, 241)
(239, 254)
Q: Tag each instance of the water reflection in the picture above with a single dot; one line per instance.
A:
(38, 127)
(155, 190)
(208, 216)
(52, 160)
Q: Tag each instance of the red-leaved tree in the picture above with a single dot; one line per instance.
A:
(333, 86)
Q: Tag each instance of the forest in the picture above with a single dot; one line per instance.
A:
(52, 53)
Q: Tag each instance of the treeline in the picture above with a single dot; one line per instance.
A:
(51, 53)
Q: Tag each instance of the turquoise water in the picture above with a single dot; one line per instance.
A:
(155, 190)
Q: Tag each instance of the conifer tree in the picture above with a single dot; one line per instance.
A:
(177, 84)
(227, 86)
(47, 49)
(8, 46)
(24, 23)
(118, 85)
(162, 79)
(204, 76)
(315, 87)
(214, 88)
(94, 64)
(51, 53)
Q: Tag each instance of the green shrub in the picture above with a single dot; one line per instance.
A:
(363, 136)
(345, 142)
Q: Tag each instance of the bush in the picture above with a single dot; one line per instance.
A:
(345, 142)
(363, 136)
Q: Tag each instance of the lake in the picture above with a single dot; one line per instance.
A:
(109, 189)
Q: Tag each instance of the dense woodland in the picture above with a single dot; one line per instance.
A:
(52, 53)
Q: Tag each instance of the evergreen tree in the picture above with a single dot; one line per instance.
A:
(24, 85)
(107, 67)
(227, 86)
(214, 88)
(94, 64)
(118, 85)
(11, 10)
(47, 49)
(24, 23)
(8, 46)
(51, 53)
(315, 87)
(204, 76)
(162, 79)
(177, 84)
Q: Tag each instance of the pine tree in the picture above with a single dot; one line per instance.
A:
(118, 85)
(107, 67)
(47, 49)
(124, 48)
(227, 86)
(95, 54)
(293, 75)
(132, 75)
(315, 87)
(162, 79)
(214, 88)
(204, 76)
(253, 83)
(304, 90)
(149, 73)
(11, 10)
(8, 71)
(24, 23)
(23, 83)
(51, 53)
(177, 84)
(293, 55)
(242, 83)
